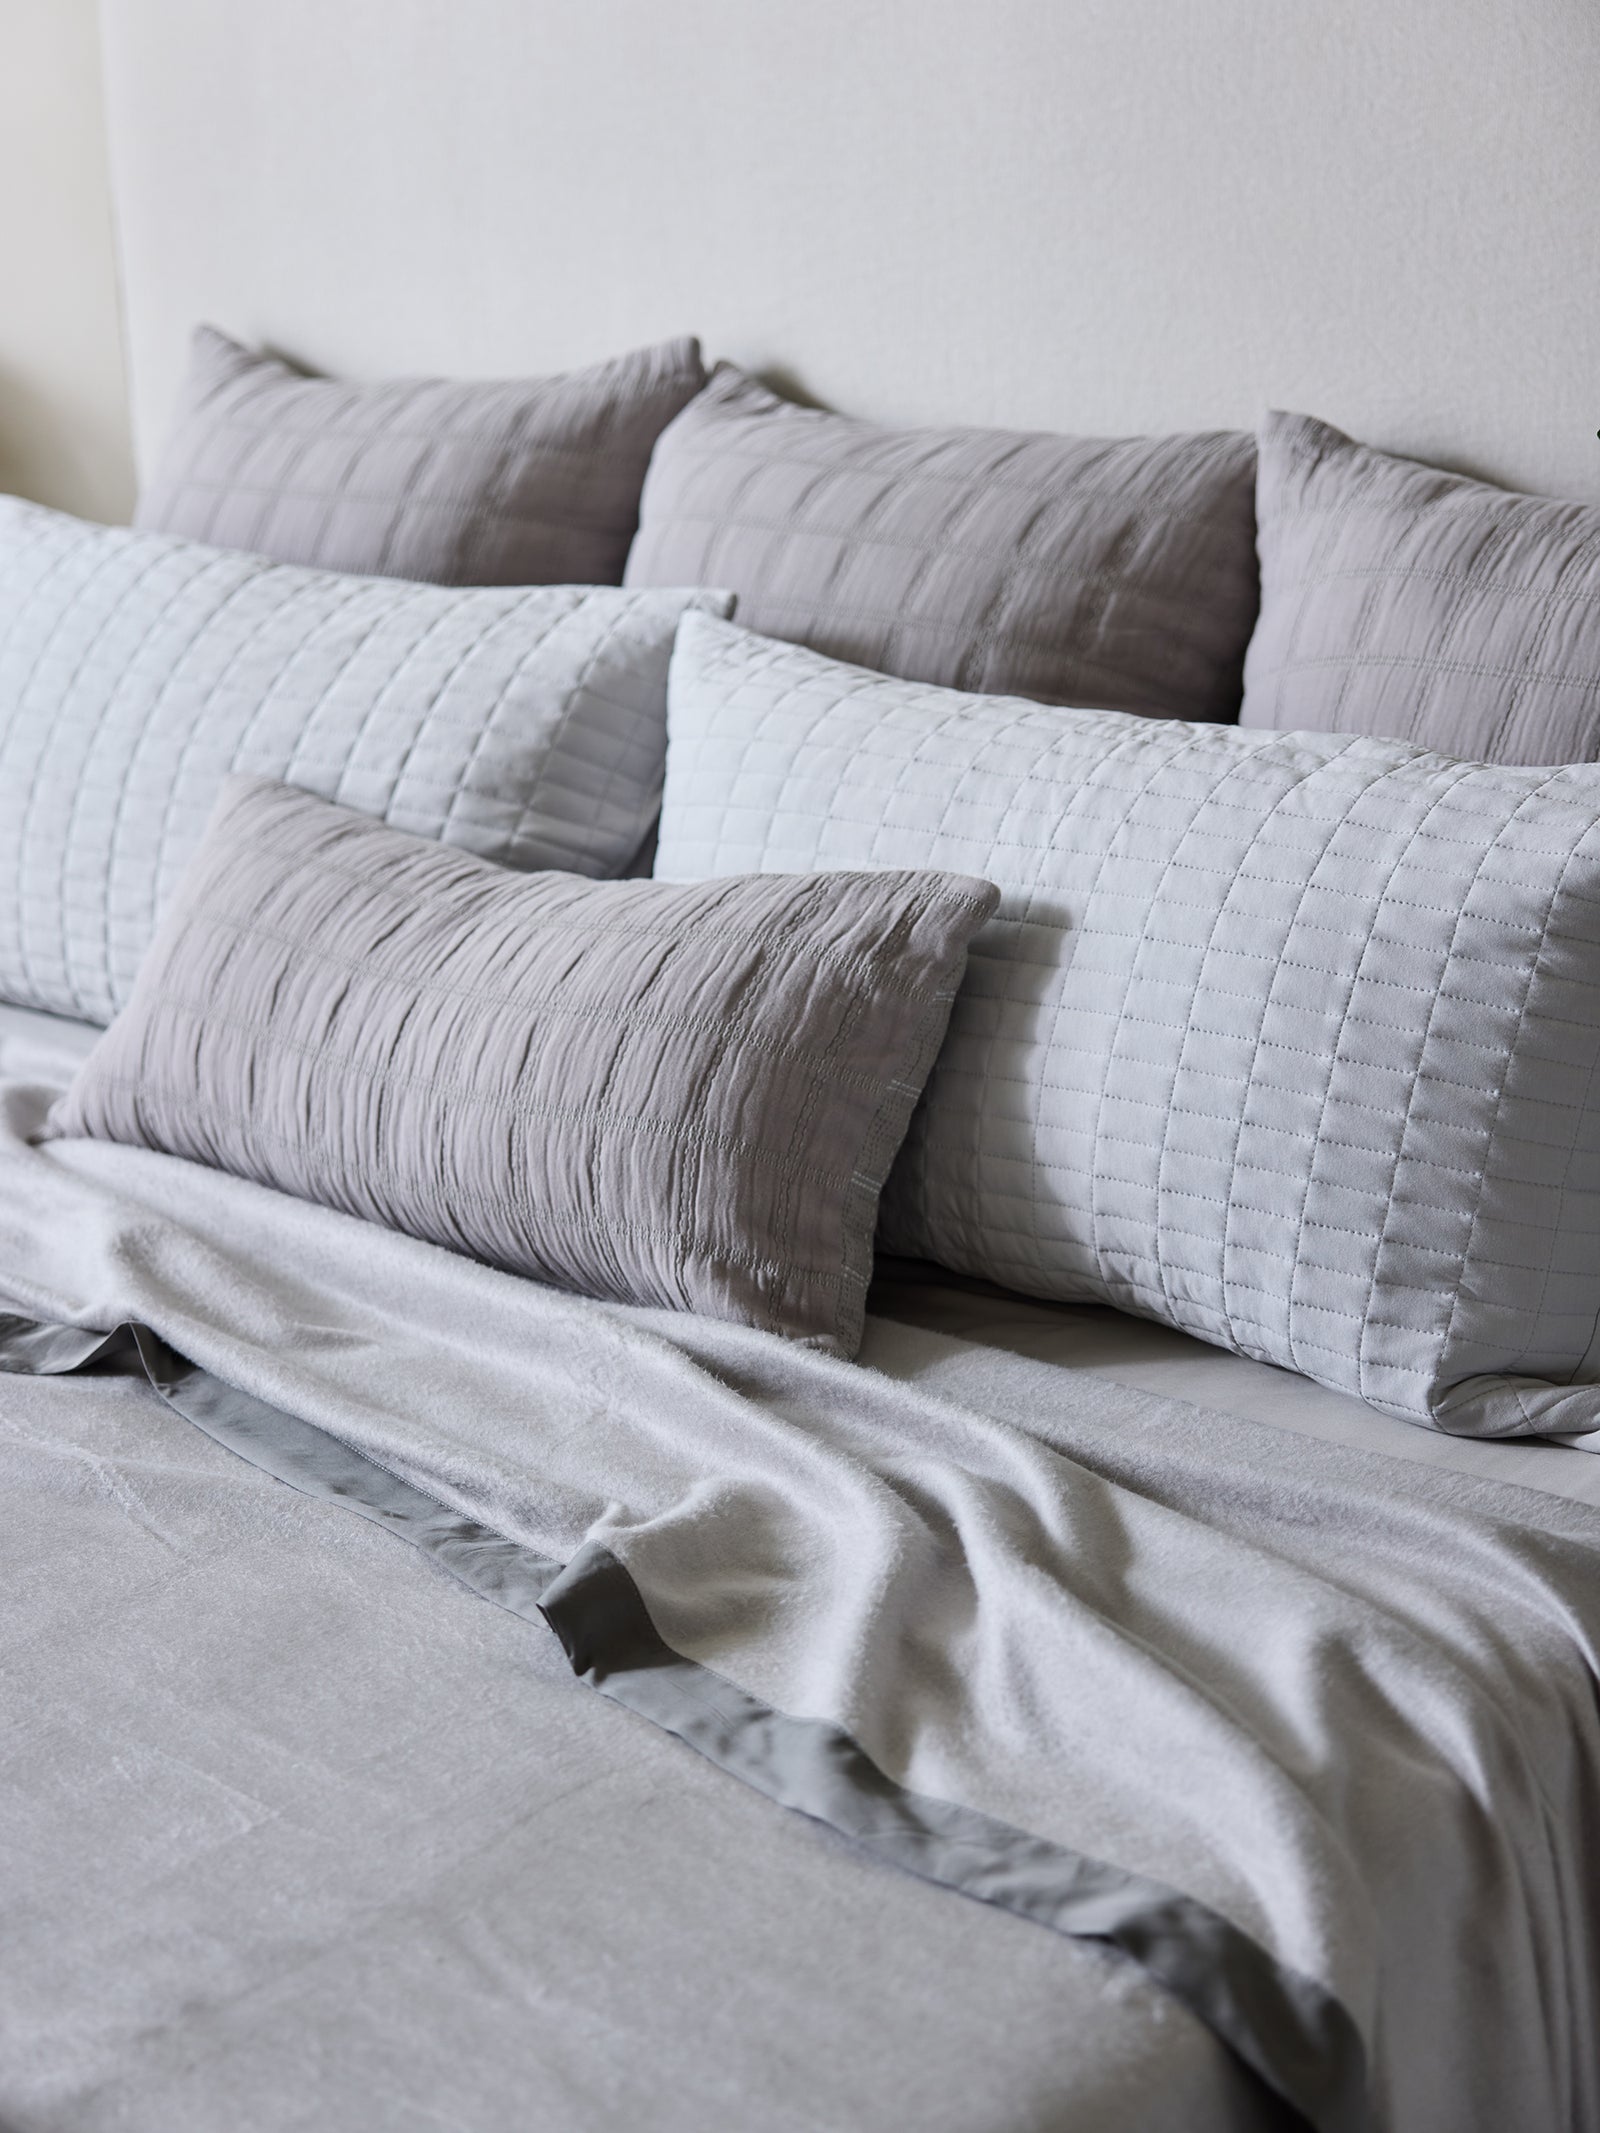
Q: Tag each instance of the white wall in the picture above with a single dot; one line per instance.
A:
(1086, 214)
(64, 435)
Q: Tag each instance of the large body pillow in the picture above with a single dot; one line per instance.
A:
(1289, 1040)
(1076, 569)
(1399, 600)
(137, 671)
(514, 481)
(687, 1097)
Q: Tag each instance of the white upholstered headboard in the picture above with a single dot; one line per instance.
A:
(1094, 215)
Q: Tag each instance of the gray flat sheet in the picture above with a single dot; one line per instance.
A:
(311, 1836)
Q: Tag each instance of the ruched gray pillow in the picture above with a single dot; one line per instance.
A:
(1118, 573)
(516, 481)
(687, 1096)
(1402, 601)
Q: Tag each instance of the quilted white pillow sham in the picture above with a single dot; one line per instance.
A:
(136, 671)
(1289, 1040)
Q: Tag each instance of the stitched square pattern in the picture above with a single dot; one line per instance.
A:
(517, 481)
(1117, 572)
(1399, 600)
(1288, 1040)
(136, 671)
(679, 1096)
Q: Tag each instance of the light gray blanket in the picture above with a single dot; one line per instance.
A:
(266, 1764)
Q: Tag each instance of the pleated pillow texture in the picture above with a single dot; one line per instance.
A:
(1399, 600)
(521, 481)
(1288, 1040)
(136, 671)
(681, 1096)
(1115, 572)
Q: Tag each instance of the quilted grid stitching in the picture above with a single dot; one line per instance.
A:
(1227, 1053)
(1580, 563)
(136, 671)
(216, 493)
(1400, 600)
(1398, 859)
(499, 482)
(380, 701)
(1554, 892)
(1078, 570)
(61, 837)
(574, 709)
(216, 615)
(202, 729)
(1146, 940)
(1455, 622)
(726, 451)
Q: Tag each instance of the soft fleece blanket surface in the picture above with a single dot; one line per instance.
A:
(1345, 1703)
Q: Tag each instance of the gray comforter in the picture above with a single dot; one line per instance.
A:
(301, 1832)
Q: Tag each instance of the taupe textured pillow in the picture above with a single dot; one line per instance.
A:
(686, 1096)
(525, 481)
(1119, 573)
(1402, 601)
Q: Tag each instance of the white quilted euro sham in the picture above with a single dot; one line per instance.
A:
(1288, 1040)
(526, 724)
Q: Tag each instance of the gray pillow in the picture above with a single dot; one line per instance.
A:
(136, 671)
(1079, 570)
(1399, 600)
(1288, 1040)
(526, 481)
(676, 1096)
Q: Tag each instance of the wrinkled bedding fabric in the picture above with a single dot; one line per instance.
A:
(1291, 2031)
(1345, 1701)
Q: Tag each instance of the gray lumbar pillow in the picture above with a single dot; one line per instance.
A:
(525, 481)
(677, 1096)
(1399, 600)
(1288, 1040)
(1078, 570)
(137, 671)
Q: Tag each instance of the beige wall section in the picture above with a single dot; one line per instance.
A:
(1101, 215)
(64, 435)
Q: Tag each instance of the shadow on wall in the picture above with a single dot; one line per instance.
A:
(61, 453)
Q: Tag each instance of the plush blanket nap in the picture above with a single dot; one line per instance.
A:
(306, 1833)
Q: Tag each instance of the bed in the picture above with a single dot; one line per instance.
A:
(1001, 1699)
(320, 1835)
